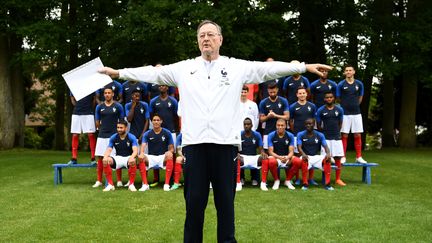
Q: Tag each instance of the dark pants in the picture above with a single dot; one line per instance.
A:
(205, 163)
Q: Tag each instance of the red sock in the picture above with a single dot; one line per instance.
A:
(264, 170)
(273, 166)
(169, 169)
(311, 174)
(238, 171)
(132, 172)
(156, 175)
(327, 171)
(75, 142)
(108, 174)
(358, 146)
(99, 170)
(305, 172)
(344, 144)
(143, 171)
(92, 143)
(338, 169)
(296, 164)
(119, 174)
(177, 173)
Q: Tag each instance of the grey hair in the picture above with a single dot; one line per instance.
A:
(219, 29)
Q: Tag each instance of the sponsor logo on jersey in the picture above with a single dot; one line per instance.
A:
(127, 88)
(157, 103)
(345, 87)
(325, 114)
(193, 72)
(268, 106)
(305, 139)
(297, 108)
(318, 87)
(116, 143)
(151, 138)
(102, 109)
(291, 84)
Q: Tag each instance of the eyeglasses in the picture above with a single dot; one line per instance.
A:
(211, 35)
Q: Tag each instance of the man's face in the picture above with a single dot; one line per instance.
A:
(309, 124)
(156, 122)
(349, 72)
(324, 72)
(247, 125)
(244, 94)
(163, 88)
(209, 39)
(121, 129)
(136, 97)
(301, 94)
(329, 99)
(273, 92)
(280, 126)
(108, 94)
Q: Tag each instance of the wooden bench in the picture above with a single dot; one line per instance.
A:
(58, 175)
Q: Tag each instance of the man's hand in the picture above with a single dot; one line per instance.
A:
(314, 68)
(113, 73)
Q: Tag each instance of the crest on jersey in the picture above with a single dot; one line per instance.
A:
(301, 84)
(138, 88)
(113, 87)
(279, 105)
(142, 110)
(337, 113)
(128, 144)
(316, 140)
(329, 86)
(169, 104)
(286, 141)
(309, 108)
(357, 87)
(114, 109)
(253, 140)
(163, 138)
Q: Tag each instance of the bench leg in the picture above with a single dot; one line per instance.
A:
(368, 176)
(60, 174)
(55, 176)
(364, 174)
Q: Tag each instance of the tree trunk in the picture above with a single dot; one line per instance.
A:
(388, 121)
(7, 126)
(351, 23)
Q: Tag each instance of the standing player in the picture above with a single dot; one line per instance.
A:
(116, 87)
(309, 144)
(281, 154)
(249, 108)
(350, 92)
(262, 87)
(329, 120)
(271, 109)
(107, 115)
(137, 113)
(126, 151)
(251, 145)
(160, 149)
(83, 122)
(129, 87)
(292, 83)
(320, 86)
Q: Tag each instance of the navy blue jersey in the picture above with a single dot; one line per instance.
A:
(141, 114)
(280, 144)
(318, 90)
(108, 117)
(123, 147)
(250, 144)
(84, 106)
(179, 140)
(300, 113)
(157, 142)
(349, 96)
(263, 87)
(279, 107)
(115, 86)
(311, 145)
(153, 90)
(329, 121)
(167, 110)
(129, 87)
(290, 87)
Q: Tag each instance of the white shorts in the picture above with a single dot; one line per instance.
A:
(155, 161)
(315, 161)
(336, 148)
(101, 147)
(121, 161)
(250, 161)
(265, 141)
(83, 124)
(174, 137)
(352, 123)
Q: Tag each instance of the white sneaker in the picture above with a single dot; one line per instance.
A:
(127, 184)
(254, 183)
(343, 160)
(361, 160)
(166, 187)
(97, 184)
(119, 184)
(242, 181)
(109, 188)
(239, 187)
(289, 185)
(132, 188)
(276, 185)
(263, 186)
(144, 188)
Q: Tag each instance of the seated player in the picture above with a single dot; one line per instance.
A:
(281, 154)
(126, 150)
(248, 157)
(160, 149)
(178, 163)
(309, 144)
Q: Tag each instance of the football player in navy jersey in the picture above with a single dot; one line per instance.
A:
(252, 153)
(116, 87)
(160, 149)
(129, 87)
(281, 154)
(309, 143)
(107, 115)
(319, 87)
(329, 120)
(138, 115)
(350, 93)
(126, 151)
(83, 122)
(271, 109)
(292, 83)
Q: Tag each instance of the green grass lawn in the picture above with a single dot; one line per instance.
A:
(397, 207)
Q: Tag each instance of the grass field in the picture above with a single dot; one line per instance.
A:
(397, 207)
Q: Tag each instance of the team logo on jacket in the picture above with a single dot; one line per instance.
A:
(224, 78)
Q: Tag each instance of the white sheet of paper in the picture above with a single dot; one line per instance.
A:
(86, 79)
